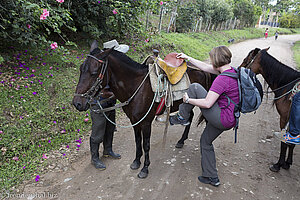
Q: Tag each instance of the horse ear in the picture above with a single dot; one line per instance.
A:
(107, 52)
(94, 45)
(267, 48)
(256, 50)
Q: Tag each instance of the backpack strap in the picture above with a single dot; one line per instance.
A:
(236, 111)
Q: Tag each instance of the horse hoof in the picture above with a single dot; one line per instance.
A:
(143, 174)
(179, 145)
(135, 165)
(286, 166)
(274, 168)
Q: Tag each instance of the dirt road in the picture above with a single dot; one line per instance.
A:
(243, 167)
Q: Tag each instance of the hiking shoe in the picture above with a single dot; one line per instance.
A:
(292, 139)
(177, 119)
(208, 180)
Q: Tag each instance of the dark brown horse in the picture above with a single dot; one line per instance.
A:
(129, 82)
(281, 79)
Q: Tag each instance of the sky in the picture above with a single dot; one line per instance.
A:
(273, 2)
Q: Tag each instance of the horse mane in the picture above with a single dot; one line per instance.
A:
(277, 73)
(126, 59)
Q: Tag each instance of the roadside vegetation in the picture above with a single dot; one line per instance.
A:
(296, 50)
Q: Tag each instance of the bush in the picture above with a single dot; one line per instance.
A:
(33, 21)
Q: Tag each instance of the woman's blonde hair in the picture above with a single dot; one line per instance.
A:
(220, 56)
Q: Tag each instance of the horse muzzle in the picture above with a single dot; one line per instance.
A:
(81, 103)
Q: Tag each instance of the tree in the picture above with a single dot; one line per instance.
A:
(245, 11)
(289, 20)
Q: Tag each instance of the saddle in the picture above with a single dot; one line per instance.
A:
(173, 67)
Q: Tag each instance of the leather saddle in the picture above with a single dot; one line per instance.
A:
(173, 67)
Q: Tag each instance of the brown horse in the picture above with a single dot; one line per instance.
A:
(129, 82)
(281, 79)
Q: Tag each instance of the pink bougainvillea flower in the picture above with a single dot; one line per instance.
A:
(42, 17)
(37, 178)
(161, 3)
(34, 93)
(147, 40)
(49, 141)
(15, 158)
(60, 1)
(44, 156)
(1, 132)
(115, 11)
(45, 12)
(63, 131)
(28, 26)
(54, 45)
(24, 167)
(54, 122)
(86, 119)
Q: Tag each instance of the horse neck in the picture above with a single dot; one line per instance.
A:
(124, 79)
(280, 76)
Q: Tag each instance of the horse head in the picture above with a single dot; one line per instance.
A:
(252, 60)
(93, 77)
(251, 55)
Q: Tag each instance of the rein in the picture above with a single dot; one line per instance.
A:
(125, 103)
(282, 86)
(112, 108)
(294, 90)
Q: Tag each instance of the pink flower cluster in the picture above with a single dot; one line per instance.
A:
(44, 15)
(115, 11)
(53, 45)
(60, 1)
(161, 3)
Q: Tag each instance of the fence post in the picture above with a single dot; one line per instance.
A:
(160, 18)
(234, 22)
(147, 19)
(200, 24)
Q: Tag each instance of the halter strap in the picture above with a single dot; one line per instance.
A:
(97, 85)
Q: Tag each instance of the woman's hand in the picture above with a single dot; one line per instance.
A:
(182, 55)
(186, 98)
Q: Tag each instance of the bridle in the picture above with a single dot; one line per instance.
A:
(252, 60)
(90, 94)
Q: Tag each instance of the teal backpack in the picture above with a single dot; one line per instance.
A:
(250, 93)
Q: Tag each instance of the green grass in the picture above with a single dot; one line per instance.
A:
(296, 50)
(36, 112)
(196, 45)
(37, 88)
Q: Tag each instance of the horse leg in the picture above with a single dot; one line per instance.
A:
(281, 161)
(146, 145)
(289, 160)
(138, 142)
(185, 134)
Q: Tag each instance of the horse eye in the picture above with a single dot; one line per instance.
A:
(94, 74)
